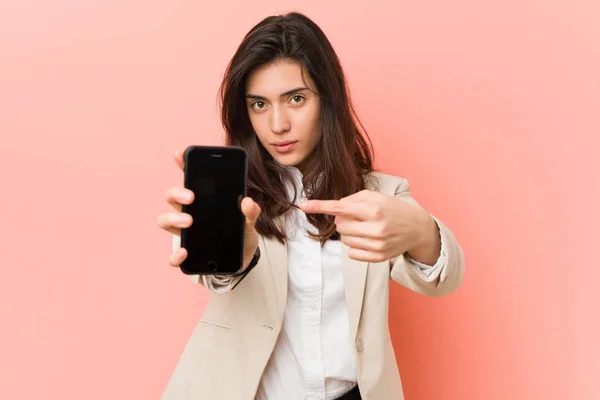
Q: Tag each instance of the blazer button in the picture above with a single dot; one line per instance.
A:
(359, 345)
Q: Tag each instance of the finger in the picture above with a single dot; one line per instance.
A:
(177, 257)
(365, 229)
(367, 196)
(174, 222)
(250, 209)
(356, 210)
(177, 196)
(362, 243)
(178, 156)
(366, 255)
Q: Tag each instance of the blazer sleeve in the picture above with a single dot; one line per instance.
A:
(440, 279)
(214, 283)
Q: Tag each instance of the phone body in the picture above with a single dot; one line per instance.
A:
(215, 241)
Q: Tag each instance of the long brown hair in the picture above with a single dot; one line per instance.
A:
(343, 157)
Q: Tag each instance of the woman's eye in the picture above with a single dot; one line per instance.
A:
(258, 105)
(297, 99)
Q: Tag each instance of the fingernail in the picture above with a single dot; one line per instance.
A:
(184, 220)
(307, 204)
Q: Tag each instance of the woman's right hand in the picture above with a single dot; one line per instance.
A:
(176, 220)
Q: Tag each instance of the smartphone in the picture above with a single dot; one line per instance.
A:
(215, 240)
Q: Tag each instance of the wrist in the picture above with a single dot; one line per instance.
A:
(252, 261)
(248, 267)
(427, 245)
(428, 231)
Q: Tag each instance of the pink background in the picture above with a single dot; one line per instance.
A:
(491, 109)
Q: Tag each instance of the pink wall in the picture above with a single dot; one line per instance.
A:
(492, 111)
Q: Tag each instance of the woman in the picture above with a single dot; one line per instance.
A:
(309, 320)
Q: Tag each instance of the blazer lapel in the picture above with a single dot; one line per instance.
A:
(355, 275)
(278, 263)
(355, 278)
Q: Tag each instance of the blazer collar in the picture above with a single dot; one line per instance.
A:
(354, 272)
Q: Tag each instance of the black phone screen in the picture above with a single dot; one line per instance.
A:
(215, 240)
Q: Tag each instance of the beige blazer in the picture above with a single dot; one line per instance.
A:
(231, 345)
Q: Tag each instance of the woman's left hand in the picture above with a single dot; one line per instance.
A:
(378, 227)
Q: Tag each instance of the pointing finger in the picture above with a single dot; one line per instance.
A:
(356, 210)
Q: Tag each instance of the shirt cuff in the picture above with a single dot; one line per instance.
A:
(431, 272)
(217, 284)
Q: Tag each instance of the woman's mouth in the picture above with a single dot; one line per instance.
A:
(284, 147)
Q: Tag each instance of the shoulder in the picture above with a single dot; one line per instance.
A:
(384, 183)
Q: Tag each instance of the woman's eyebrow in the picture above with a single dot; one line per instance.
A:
(286, 93)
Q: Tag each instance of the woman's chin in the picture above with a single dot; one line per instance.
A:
(288, 160)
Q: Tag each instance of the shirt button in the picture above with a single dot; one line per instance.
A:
(359, 345)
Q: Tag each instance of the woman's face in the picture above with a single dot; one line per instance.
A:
(284, 110)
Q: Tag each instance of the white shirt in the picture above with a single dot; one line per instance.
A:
(314, 355)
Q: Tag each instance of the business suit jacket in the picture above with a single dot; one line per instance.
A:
(231, 345)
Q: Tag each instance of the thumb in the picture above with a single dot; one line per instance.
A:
(251, 210)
